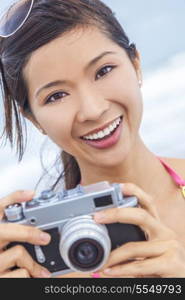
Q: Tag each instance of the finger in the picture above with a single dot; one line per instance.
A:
(18, 256)
(19, 273)
(145, 200)
(138, 268)
(131, 215)
(79, 275)
(137, 250)
(16, 197)
(10, 232)
(75, 275)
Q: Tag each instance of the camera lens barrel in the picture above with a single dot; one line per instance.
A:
(85, 245)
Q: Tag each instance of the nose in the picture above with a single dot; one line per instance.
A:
(91, 106)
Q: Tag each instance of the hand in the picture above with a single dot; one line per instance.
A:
(17, 255)
(162, 255)
(75, 275)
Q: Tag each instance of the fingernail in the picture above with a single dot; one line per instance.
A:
(99, 216)
(95, 275)
(44, 237)
(45, 273)
(107, 271)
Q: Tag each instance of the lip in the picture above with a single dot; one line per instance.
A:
(108, 142)
(100, 128)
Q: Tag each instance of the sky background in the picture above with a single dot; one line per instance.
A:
(157, 29)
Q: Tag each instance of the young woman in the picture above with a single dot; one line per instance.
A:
(69, 68)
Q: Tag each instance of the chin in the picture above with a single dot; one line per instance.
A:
(112, 159)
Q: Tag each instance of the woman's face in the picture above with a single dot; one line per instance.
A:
(85, 95)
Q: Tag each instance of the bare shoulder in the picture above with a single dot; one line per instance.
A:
(178, 164)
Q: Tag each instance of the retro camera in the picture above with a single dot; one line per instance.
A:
(78, 243)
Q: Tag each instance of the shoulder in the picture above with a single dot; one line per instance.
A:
(178, 164)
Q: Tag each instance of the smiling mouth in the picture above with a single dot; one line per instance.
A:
(104, 131)
(108, 140)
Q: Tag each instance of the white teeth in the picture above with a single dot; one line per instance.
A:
(114, 125)
(104, 132)
(111, 127)
(100, 134)
(95, 136)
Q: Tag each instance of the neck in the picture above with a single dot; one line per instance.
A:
(140, 167)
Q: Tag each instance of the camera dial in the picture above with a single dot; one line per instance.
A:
(46, 197)
(77, 191)
(14, 212)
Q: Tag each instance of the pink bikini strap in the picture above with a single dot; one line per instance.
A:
(178, 179)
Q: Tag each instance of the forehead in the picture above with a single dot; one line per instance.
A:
(87, 39)
(76, 45)
(63, 56)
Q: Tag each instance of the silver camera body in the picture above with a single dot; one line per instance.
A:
(78, 243)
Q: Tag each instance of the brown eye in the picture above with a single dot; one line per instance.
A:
(56, 97)
(104, 71)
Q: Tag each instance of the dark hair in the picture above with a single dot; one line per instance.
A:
(48, 20)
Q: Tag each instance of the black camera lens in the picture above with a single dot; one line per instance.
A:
(86, 253)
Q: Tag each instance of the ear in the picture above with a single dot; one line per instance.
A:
(31, 118)
(137, 65)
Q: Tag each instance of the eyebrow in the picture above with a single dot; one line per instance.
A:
(59, 82)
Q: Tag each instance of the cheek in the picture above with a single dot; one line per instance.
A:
(129, 96)
(134, 105)
(135, 101)
(125, 90)
(56, 124)
(124, 85)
